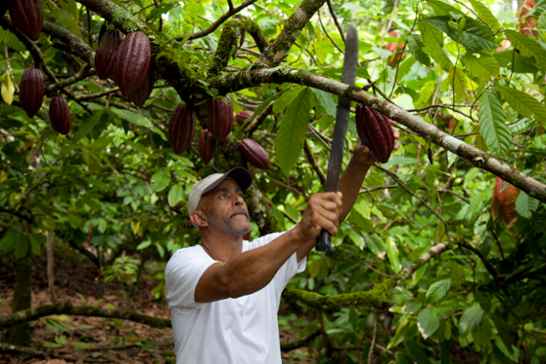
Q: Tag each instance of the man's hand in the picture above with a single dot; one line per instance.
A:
(322, 212)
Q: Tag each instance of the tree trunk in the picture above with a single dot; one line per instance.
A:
(22, 299)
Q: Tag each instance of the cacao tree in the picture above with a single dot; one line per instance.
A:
(422, 270)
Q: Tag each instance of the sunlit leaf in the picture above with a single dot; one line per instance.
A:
(493, 126)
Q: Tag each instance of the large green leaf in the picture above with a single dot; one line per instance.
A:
(438, 290)
(485, 15)
(472, 34)
(493, 126)
(293, 129)
(433, 45)
(472, 316)
(528, 47)
(428, 322)
(176, 194)
(481, 68)
(160, 180)
(523, 103)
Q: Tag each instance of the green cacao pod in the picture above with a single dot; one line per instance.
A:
(132, 62)
(26, 16)
(254, 153)
(181, 129)
(104, 56)
(375, 131)
(206, 145)
(220, 118)
(32, 90)
(59, 115)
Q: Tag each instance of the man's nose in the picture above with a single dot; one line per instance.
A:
(239, 200)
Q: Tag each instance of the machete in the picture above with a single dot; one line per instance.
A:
(342, 115)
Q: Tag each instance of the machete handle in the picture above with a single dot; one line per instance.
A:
(323, 242)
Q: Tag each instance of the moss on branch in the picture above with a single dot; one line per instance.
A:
(67, 308)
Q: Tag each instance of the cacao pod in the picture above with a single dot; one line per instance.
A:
(104, 56)
(254, 153)
(206, 145)
(132, 62)
(32, 90)
(26, 16)
(242, 116)
(59, 115)
(181, 129)
(375, 132)
(503, 204)
(220, 118)
(141, 94)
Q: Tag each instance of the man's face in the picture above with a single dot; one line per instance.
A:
(225, 209)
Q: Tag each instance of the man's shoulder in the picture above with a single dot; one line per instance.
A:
(185, 254)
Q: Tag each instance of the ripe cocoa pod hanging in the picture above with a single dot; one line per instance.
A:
(59, 115)
(132, 62)
(32, 90)
(104, 56)
(242, 116)
(206, 145)
(254, 153)
(181, 129)
(503, 204)
(375, 132)
(220, 118)
(141, 94)
(26, 16)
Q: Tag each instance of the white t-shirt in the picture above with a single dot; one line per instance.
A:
(233, 330)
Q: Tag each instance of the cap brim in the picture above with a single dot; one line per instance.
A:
(239, 175)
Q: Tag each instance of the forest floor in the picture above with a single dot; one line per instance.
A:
(76, 339)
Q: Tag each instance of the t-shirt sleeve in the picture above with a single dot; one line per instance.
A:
(182, 274)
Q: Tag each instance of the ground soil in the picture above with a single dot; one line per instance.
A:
(76, 339)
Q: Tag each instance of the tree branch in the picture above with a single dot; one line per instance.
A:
(117, 15)
(475, 156)
(278, 50)
(232, 11)
(286, 347)
(434, 251)
(66, 308)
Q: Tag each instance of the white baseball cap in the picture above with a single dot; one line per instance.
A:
(239, 174)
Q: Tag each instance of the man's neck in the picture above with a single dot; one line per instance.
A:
(220, 246)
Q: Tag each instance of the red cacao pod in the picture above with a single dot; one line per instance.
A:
(375, 131)
(206, 145)
(242, 116)
(503, 204)
(26, 16)
(141, 94)
(181, 129)
(220, 118)
(104, 56)
(32, 90)
(132, 62)
(254, 153)
(59, 115)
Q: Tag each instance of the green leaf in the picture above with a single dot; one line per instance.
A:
(523, 103)
(427, 322)
(137, 119)
(160, 180)
(326, 101)
(483, 68)
(392, 253)
(528, 47)
(438, 290)
(525, 205)
(441, 8)
(293, 130)
(176, 194)
(10, 240)
(472, 316)
(472, 34)
(493, 126)
(433, 45)
(485, 15)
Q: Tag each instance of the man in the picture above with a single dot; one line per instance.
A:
(224, 294)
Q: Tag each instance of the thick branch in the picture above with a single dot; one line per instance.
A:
(73, 43)
(436, 250)
(376, 297)
(278, 50)
(477, 157)
(67, 308)
(286, 347)
(115, 14)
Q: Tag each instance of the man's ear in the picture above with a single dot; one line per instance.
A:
(199, 219)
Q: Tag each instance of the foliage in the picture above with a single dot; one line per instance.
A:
(114, 188)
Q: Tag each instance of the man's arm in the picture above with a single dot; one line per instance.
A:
(349, 185)
(252, 270)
